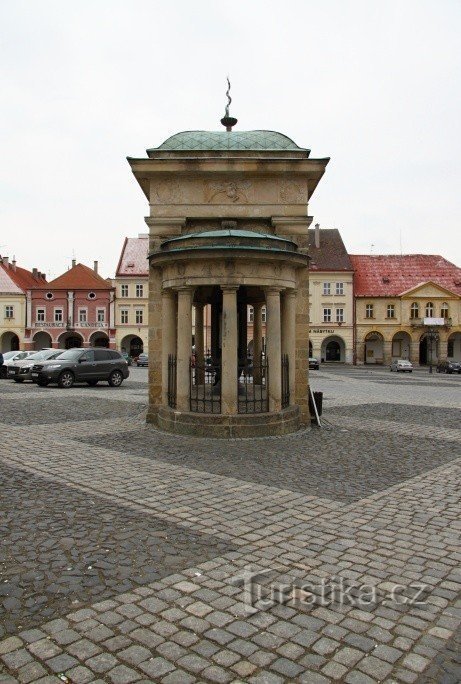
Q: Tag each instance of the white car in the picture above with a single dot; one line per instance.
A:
(401, 366)
(10, 357)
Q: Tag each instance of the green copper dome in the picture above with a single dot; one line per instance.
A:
(233, 140)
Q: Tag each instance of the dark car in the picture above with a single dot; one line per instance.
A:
(448, 367)
(142, 360)
(82, 365)
(314, 363)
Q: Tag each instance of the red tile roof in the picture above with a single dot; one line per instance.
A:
(331, 255)
(389, 275)
(133, 259)
(25, 279)
(7, 284)
(79, 277)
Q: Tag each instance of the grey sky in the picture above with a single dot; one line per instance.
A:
(373, 85)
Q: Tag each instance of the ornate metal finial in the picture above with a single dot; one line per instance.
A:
(228, 121)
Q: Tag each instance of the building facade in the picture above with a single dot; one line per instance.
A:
(131, 285)
(74, 310)
(331, 298)
(407, 306)
(15, 284)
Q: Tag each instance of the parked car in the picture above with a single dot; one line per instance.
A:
(142, 360)
(9, 358)
(448, 367)
(313, 363)
(401, 366)
(127, 358)
(82, 365)
(22, 370)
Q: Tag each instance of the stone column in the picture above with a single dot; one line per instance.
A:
(168, 337)
(387, 353)
(274, 348)
(229, 386)
(155, 337)
(184, 328)
(414, 352)
(288, 336)
(443, 349)
(199, 345)
(257, 341)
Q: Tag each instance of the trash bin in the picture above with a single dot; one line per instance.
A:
(318, 398)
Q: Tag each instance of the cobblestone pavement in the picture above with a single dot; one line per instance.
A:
(126, 553)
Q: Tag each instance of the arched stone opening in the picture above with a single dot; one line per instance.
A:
(42, 340)
(132, 345)
(454, 347)
(333, 349)
(374, 348)
(428, 349)
(9, 342)
(69, 340)
(401, 345)
(99, 339)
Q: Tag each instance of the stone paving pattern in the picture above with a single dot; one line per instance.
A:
(157, 529)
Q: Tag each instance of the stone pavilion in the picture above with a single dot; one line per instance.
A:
(228, 227)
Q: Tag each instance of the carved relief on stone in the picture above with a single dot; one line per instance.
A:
(291, 192)
(227, 191)
(168, 192)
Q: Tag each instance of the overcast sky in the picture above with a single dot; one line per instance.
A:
(373, 85)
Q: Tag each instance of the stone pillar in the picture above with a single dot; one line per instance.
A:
(274, 348)
(199, 345)
(184, 328)
(443, 349)
(414, 353)
(288, 326)
(229, 385)
(155, 337)
(168, 337)
(387, 353)
(257, 341)
(302, 346)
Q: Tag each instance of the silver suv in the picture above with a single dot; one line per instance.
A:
(22, 370)
(82, 365)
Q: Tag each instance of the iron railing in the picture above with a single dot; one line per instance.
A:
(253, 387)
(205, 388)
(171, 381)
(285, 381)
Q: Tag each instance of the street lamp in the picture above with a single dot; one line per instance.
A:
(432, 336)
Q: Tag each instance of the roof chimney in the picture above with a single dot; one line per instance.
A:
(5, 261)
(13, 263)
(317, 235)
(74, 263)
(35, 273)
(95, 267)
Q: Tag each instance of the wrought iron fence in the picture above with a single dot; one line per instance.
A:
(285, 381)
(205, 388)
(253, 387)
(171, 380)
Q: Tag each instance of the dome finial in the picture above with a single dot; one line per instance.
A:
(228, 121)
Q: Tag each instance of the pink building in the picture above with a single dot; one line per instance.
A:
(74, 310)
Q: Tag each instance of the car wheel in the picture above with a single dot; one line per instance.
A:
(92, 383)
(66, 379)
(116, 378)
(18, 379)
(42, 382)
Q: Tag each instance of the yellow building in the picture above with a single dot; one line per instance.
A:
(131, 284)
(408, 307)
(331, 299)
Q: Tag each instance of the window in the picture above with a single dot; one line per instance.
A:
(92, 295)
(444, 312)
(429, 310)
(391, 311)
(369, 311)
(101, 315)
(124, 290)
(139, 316)
(58, 315)
(326, 288)
(102, 355)
(82, 316)
(327, 315)
(339, 315)
(124, 316)
(263, 314)
(40, 315)
(414, 310)
(88, 356)
(251, 314)
(9, 311)
(339, 288)
(139, 290)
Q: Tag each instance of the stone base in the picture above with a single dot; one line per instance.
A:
(221, 426)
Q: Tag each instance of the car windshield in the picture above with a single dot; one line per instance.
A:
(404, 363)
(70, 355)
(9, 355)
